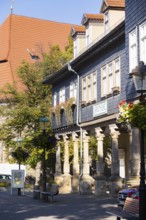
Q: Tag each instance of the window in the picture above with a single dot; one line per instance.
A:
(94, 87)
(106, 22)
(73, 89)
(110, 77)
(132, 50)
(84, 90)
(104, 81)
(89, 88)
(62, 95)
(143, 42)
(55, 99)
(117, 72)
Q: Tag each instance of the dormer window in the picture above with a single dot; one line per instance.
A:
(106, 22)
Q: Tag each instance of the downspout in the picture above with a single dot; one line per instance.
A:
(77, 122)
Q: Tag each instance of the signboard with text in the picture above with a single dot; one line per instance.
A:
(100, 108)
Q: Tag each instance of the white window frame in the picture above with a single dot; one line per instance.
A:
(110, 77)
(62, 95)
(133, 59)
(117, 72)
(142, 39)
(94, 83)
(84, 89)
(89, 87)
(55, 99)
(73, 89)
(104, 81)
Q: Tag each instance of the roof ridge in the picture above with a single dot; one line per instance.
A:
(41, 19)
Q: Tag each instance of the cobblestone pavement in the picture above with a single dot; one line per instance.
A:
(65, 207)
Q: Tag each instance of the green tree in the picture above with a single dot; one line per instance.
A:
(24, 107)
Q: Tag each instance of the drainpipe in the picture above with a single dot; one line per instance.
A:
(77, 122)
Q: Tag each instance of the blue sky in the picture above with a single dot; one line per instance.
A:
(66, 11)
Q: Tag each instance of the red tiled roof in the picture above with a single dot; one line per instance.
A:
(112, 4)
(92, 17)
(116, 3)
(20, 34)
(77, 29)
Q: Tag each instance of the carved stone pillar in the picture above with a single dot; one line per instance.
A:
(100, 180)
(58, 173)
(66, 186)
(115, 179)
(134, 157)
(75, 178)
(86, 181)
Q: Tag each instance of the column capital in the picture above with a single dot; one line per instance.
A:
(75, 136)
(65, 137)
(57, 137)
(85, 135)
(99, 133)
(114, 130)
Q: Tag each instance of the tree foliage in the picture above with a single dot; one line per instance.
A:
(23, 108)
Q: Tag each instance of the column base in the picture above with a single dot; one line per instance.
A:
(100, 186)
(65, 187)
(86, 185)
(75, 183)
(133, 181)
(115, 184)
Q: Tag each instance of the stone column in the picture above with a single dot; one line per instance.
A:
(86, 180)
(134, 157)
(66, 187)
(100, 180)
(58, 173)
(115, 179)
(75, 178)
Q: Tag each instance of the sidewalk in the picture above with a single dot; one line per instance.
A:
(65, 207)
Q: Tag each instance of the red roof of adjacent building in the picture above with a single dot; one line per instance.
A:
(22, 36)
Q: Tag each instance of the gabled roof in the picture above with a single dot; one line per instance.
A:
(77, 29)
(92, 17)
(25, 38)
(112, 4)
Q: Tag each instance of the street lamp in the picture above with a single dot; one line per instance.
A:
(43, 124)
(19, 141)
(139, 77)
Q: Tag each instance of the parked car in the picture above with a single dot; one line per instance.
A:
(124, 193)
(5, 180)
(135, 195)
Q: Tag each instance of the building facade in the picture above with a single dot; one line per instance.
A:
(94, 82)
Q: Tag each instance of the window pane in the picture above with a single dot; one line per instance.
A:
(143, 42)
(132, 50)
